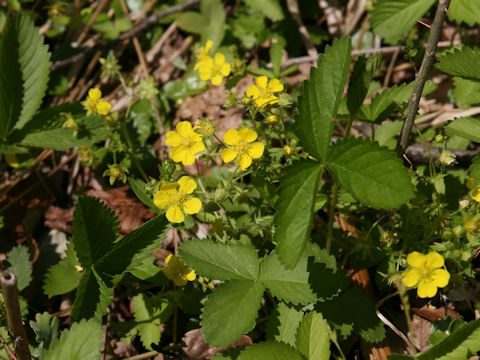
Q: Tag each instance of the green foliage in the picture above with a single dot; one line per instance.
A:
(138, 187)
(24, 72)
(46, 329)
(313, 339)
(295, 209)
(460, 61)
(269, 350)
(393, 18)
(475, 169)
(283, 323)
(82, 341)
(466, 92)
(466, 127)
(373, 175)
(18, 261)
(321, 97)
(230, 311)
(269, 8)
(464, 11)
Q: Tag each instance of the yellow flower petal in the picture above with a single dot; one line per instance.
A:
(253, 91)
(12, 160)
(179, 281)
(190, 276)
(275, 85)
(168, 187)
(476, 194)
(197, 147)
(247, 135)
(416, 259)
(186, 185)
(228, 155)
(426, 289)
(205, 74)
(94, 94)
(171, 260)
(184, 128)
(261, 82)
(441, 277)
(173, 139)
(161, 199)
(255, 150)
(192, 206)
(219, 59)
(231, 137)
(208, 45)
(103, 107)
(470, 184)
(225, 69)
(175, 214)
(189, 158)
(217, 80)
(178, 153)
(244, 161)
(168, 272)
(410, 277)
(434, 260)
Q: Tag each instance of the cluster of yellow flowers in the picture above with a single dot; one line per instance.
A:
(213, 69)
(94, 103)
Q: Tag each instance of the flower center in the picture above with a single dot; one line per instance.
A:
(175, 198)
(242, 148)
(427, 274)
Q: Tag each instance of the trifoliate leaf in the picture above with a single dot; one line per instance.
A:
(392, 18)
(460, 61)
(230, 311)
(375, 176)
(270, 350)
(295, 209)
(220, 261)
(466, 127)
(283, 323)
(18, 261)
(321, 97)
(313, 339)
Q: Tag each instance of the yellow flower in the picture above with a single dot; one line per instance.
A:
(272, 119)
(177, 271)
(202, 54)
(264, 90)
(425, 272)
(470, 183)
(186, 143)
(288, 149)
(94, 103)
(476, 194)
(12, 160)
(243, 148)
(175, 198)
(213, 69)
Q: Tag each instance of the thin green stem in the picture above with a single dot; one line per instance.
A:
(406, 309)
(331, 216)
(134, 157)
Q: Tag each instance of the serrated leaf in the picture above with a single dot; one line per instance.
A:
(325, 281)
(385, 133)
(392, 18)
(95, 228)
(313, 340)
(321, 97)
(467, 11)
(18, 261)
(475, 169)
(283, 323)
(220, 261)
(82, 341)
(142, 265)
(230, 311)
(287, 284)
(24, 72)
(269, 350)
(270, 8)
(460, 61)
(63, 277)
(295, 209)
(46, 328)
(465, 127)
(466, 92)
(375, 176)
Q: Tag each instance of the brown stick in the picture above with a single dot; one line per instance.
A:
(8, 280)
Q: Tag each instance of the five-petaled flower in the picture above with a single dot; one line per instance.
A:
(242, 147)
(425, 271)
(263, 93)
(177, 271)
(213, 69)
(176, 198)
(94, 103)
(202, 54)
(186, 143)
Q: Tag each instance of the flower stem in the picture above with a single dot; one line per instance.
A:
(134, 157)
(406, 309)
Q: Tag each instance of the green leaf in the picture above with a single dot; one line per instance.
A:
(326, 281)
(374, 175)
(466, 92)
(220, 261)
(95, 228)
(466, 11)
(313, 340)
(230, 311)
(270, 8)
(269, 350)
(385, 133)
(215, 13)
(24, 72)
(321, 98)
(192, 22)
(283, 323)
(46, 328)
(63, 277)
(46, 130)
(18, 261)
(82, 341)
(362, 75)
(287, 284)
(138, 187)
(475, 169)
(461, 61)
(295, 209)
(392, 18)
(466, 127)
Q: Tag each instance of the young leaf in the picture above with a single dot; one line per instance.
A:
(466, 11)
(392, 18)
(466, 127)
(46, 328)
(230, 311)
(287, 284)
(269, 350)
(270, 8)
(95, 228)
(313, 340)
(283, 323)
(295, 209)
(24, 72)
(460, 61)
(220, 261)
(374, 175)
(321, 97)
(82, 341)
(18, 261)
